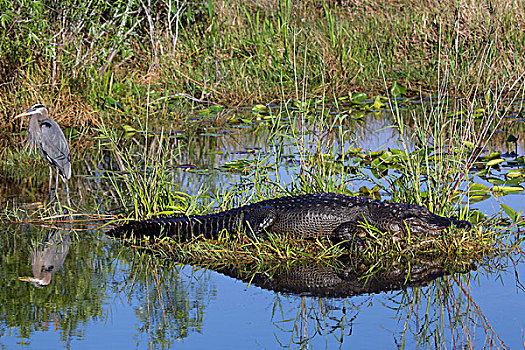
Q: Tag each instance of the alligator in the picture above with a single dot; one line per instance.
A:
(336, 216)
(314, 279)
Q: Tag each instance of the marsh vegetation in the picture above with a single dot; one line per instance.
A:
(181, 108)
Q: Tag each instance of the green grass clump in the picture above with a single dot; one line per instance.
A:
(82, 58)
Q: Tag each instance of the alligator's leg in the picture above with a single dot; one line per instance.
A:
(350, 233)
(258, 220)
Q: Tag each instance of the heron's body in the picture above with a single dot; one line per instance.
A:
(48, 257)
(45, 133)
(51, 142)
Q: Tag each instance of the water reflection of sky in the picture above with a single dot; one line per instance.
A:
(238, 316)
(248, 317)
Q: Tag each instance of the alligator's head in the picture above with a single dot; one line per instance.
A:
(416, 219)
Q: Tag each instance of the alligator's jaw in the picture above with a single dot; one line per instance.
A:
(434, 224)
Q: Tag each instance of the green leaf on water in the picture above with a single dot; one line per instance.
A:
(387, 157)
(478, 198)
(261, 109)
(495, 180)
(513, 182)
(475, 217)
(507, 189)
(397, 89)
(238, 120)
(376, 162)
(396, 151)
(238, 165)
(491, 156)
(301, 105)
(378, 103)
(353, 150)
(358, 97)
(495, 161)
(514, 174)
(476, 189)
(374, 192)
(513, 215)
(376, 153)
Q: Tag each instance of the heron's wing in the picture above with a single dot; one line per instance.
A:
(54, 147)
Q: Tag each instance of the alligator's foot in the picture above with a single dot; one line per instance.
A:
(259, 220)
(350, 234)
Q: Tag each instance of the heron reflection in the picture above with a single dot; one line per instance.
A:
(48, 257)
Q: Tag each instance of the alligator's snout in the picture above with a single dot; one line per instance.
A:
(434, 223)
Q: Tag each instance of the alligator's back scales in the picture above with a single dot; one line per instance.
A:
(332, 215)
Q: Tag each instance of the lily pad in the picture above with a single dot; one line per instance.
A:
(261, 109)
(491, 156)
(376, 153)
(495, 161)
(514, 174)
(478, 198)
(397, 89)
(495, 180)
(507, 189)
(358, 97)
(354, 150)
(378, 103)
(239, 165)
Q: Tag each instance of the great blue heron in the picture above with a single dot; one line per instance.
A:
(48, 257)
(45, 133)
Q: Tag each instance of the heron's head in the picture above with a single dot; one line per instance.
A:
(37, 282)
(38, 110)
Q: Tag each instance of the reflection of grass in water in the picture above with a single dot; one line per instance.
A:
(440, 312)
(172, 308)
(447, 314)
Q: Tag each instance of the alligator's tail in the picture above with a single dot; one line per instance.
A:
(182, 228)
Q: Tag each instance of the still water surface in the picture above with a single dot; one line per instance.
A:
(108, 296)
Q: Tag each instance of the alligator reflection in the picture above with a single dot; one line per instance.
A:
(48, 256)
(325, 281)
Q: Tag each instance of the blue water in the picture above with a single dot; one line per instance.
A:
(122, 304)
(235, 315)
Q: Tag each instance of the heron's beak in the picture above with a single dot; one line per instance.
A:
(24, 114)
(35, 281)
(26, 279)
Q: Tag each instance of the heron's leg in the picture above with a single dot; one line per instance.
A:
(50, 182)
(67, 195)
(56, 182)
